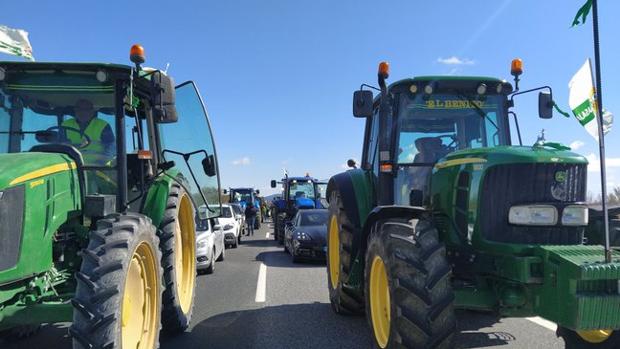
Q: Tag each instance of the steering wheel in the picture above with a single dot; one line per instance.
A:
(87, 140)
(451, 145)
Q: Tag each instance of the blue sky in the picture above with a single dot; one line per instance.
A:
(277, 76)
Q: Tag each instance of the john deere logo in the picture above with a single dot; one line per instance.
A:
(560, 176)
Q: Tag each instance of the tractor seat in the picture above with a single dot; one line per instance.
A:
(430, 149)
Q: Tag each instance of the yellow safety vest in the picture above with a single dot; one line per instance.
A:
(94, 152)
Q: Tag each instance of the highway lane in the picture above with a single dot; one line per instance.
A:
(295, 312)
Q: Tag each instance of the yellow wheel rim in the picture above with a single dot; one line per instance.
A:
(140, 307)
(379, 302)
(185, 254)
(334, 252)
(595, 336)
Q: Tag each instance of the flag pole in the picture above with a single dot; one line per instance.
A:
(601, 135)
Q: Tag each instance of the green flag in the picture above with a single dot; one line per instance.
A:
(583, 13)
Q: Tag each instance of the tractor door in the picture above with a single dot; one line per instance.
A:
(189, 143)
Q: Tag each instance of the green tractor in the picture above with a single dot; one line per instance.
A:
(445, 213)
(102, 170)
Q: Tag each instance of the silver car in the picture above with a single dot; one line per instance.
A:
(209, 245)
(239, 216)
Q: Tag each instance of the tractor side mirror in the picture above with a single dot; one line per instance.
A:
(362, 103)
(274, 183)
(351, 163)
(208, 165)
(257, 191)
(225, 191)
(545, 105)
(164, 110)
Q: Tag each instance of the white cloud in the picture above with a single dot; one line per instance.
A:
(577, 144)
(595, 166)
(454, 60)
(244, 161)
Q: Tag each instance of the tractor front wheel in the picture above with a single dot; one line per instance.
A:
(409, 298)
(339, 246)
(178, 245)
(118, 299)
(592, 339)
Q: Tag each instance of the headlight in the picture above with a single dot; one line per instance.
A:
(533, 215)
(228, 226)
(575, 215)
(302, 236)
(201, 244)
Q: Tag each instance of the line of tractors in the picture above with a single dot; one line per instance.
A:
(444, 213)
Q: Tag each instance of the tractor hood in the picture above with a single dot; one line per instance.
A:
(510, 155)
(16, 168)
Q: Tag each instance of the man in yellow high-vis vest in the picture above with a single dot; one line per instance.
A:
(92, 136)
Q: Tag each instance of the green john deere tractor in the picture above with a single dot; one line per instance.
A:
(98, 222)
(445, 213)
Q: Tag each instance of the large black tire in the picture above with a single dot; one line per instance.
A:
(342, 299)
(421, 299)
(177, 307)
(573, 340)
(107, 264)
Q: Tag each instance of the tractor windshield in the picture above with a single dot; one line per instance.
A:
(430, 128)
(301, 189)
(73, 108)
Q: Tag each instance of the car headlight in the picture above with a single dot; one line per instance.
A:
(228, 227)
(533, 215)
(575, 215)
(201, 244)
(302, 236)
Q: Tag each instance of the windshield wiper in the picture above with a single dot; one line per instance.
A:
(477, 108)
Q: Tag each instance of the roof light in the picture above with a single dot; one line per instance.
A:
(101, 75)
(136, 54)
(145, 155)
(482, 89)
(384, 69)
(413, 89)
(516, 67)
(428, 89)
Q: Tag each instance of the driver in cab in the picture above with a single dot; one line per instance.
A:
(91, 135)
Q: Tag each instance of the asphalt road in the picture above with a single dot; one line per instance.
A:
(233, 310)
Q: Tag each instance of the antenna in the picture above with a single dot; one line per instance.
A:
(167, 66)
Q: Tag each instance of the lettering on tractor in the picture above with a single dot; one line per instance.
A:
(298, 193)
(446, 212)
(102, 170)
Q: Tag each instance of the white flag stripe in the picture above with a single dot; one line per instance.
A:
(15, 42)
(582, 101)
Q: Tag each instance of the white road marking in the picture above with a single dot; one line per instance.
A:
(267, 236)
(544, 323)
(261, 284)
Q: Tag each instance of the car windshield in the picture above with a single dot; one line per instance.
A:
(227, 212)
(236, 208)
(240, 195)
(321, 189)
(314, 218)
(301, 189)
(431, 127)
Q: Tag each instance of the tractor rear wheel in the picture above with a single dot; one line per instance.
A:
(593, 339)
(339, 247)
(409, 297)
(118, 299)
(178, 245)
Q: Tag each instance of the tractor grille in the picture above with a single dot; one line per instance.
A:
(11, 225)
(508, 185)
